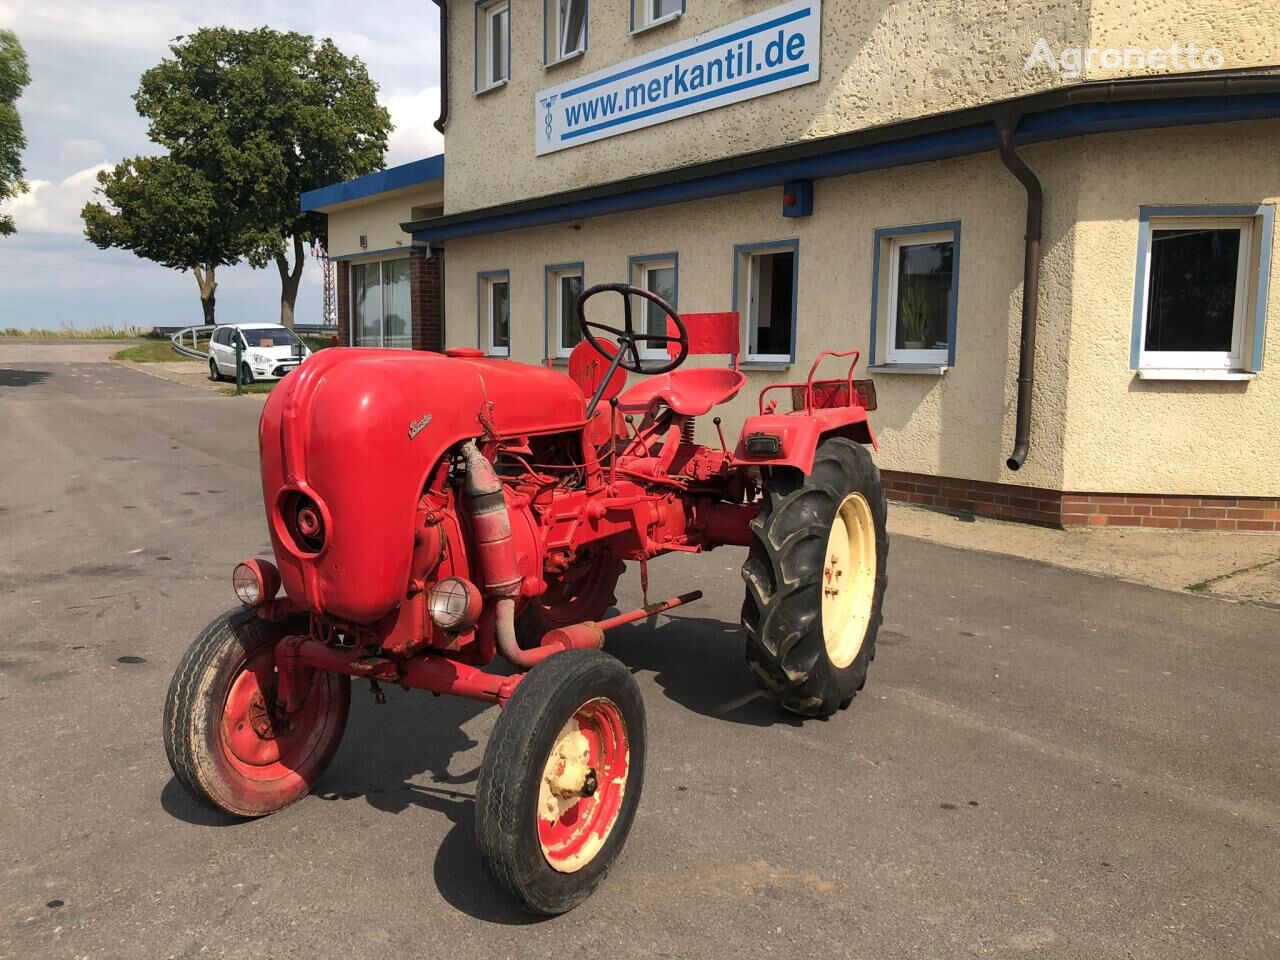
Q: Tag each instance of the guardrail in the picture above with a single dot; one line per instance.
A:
(194, 350)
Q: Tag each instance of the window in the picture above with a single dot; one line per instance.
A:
(566, 25)
(380, 304)
(915, 288)
(1201, 289)
(657, 274)
(649, 13)
(494, 297)
(564, 287)
(493, 44)
(766, 278)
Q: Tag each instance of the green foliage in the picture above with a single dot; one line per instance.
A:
(14, 76)
(913, 314)
(269, 115)
(164, 211)
(153, 351)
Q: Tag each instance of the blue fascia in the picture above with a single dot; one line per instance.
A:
(372, 184)
(1064, 122)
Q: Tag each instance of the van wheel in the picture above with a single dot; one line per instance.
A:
(815, 581)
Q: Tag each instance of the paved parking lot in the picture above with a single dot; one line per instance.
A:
(1043, 763)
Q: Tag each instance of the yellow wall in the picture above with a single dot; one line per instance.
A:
(1124, 434)
(882, 61)
(1095, 427)
(960, 423)
(379, 219)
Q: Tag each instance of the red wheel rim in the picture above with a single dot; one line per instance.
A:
(582, 785)
(261, 746)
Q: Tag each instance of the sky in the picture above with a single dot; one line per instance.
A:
(78, 116)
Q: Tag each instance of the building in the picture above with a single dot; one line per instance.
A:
(892, 177)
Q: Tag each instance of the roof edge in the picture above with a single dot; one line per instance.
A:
(409, 174)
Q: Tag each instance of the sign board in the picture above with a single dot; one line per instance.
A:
(761, 54)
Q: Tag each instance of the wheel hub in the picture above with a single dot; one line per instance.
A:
(848, 579)
(582, 786)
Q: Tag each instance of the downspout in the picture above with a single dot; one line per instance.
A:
(1006, 124)
(444, 65)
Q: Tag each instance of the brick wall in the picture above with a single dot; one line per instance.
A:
(343, 271)
(426, 292)
(1055, 508)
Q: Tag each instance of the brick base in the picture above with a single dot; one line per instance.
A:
(1055, 508)
(343, 271)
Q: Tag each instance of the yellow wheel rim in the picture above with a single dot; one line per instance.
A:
(848, 579)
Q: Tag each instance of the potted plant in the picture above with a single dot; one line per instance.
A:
(913, 314)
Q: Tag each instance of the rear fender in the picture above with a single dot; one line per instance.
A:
(800, 434)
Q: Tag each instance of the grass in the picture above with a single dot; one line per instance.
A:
(265, 386)
(91, 333)
(153, 351)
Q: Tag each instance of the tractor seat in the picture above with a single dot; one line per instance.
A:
(690, 393)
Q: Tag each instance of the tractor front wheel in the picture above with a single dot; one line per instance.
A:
(228, 743)
(815, 581)
(560, 780)
(583, 592)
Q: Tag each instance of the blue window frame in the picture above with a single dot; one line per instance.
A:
(1200, 290)
(564, 283)
(565, 30)
(766, 283)
(492, 44)
(660, 274)
(915, 295)
(493, 312)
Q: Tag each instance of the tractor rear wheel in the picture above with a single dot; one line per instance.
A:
(584, 592)
(226, 744)
(560, 780)
(815, 581)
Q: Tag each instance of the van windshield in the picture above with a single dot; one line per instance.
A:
(269, 337)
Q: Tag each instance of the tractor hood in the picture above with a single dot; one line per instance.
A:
(358, 432)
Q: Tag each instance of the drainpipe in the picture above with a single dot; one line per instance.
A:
(1005, 126)
(444, 65)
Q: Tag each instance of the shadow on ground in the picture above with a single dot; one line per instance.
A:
(389, 749)
(22, 378)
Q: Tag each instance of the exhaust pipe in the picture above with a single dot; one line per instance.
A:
(491, 524)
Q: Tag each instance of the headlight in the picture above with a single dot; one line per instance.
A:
(261, 358)
(255, 582)
(455, 604)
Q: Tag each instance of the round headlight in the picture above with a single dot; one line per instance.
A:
(255, 582)
(455, 604)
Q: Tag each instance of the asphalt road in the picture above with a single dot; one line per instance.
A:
(1043, 763)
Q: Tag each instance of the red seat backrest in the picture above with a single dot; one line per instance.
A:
(709, 333)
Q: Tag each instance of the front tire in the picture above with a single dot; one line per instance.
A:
(583, 592)
(225, 743)
(246, 375)
(815, 581)
(214, 375)
(561, 780)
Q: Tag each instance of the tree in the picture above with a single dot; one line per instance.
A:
(14, 76)
(167, 212)
(269, 115)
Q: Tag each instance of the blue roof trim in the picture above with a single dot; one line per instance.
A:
(372, 184)
(1063, 122)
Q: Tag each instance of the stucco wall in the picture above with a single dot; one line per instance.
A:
(379, 219)
(959, 424)
(882, 61)
(1129, 435)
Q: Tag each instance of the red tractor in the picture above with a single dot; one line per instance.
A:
(430, 512)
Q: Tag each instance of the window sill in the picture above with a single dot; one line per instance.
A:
(919, 369)
(1208, 375)
(498, 356)
(558, 361)
(763, 365)
(567, 58)
(669, 18)
(489, 89)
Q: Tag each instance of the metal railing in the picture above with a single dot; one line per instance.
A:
(194, 333)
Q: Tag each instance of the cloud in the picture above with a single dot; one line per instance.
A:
(54, 207)
(77, 150)
(414, 137)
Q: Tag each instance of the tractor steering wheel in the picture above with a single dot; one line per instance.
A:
(628, 356)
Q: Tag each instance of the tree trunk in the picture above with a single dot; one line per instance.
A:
(208, 287)
(289, 281)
